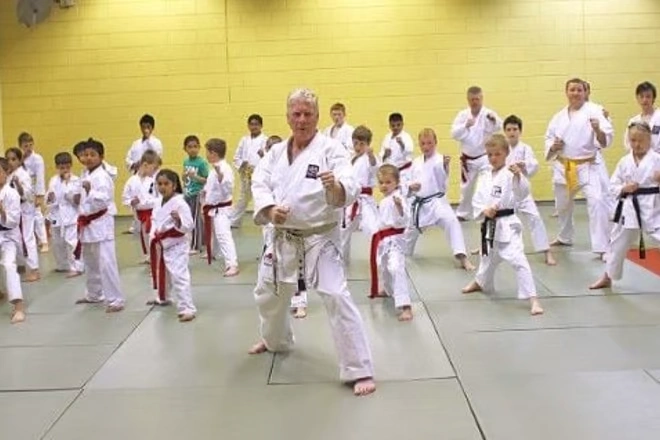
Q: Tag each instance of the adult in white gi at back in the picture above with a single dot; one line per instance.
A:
(471, 128)
(300, 186)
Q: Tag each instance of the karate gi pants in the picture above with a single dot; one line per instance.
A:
(40, 227)
(366, 220)
(223, 239)
(64, 241)
(537, 229)
(178, 277)
(445, 219)
(244, 198)
(474, 168)
(392, 272)
(102, 282)
(11, 281)
(31, 261)
(622, 240)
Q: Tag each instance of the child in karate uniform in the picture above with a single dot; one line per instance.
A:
(499, 192)
(387, 259)
(171, 221)
(363, 213)
(63, 216)
(34, 164)
(646, 94)
(216, 206)
(10, 241)
(20, 180)
(141, 195)
(430, 206)
(96, 236)
(522, 155)
(635, 184)
(397, 147)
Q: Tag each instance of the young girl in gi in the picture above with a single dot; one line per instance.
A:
(171, 221)
(20, 180)
(387, 258)
(635, 184)
(498, 193)
(10, 241)
(430, 206)
(140, 194)
(63, 216)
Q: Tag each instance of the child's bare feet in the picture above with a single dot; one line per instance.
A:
(157, 302)
(300, 312)
(465, 262)
(536, 308)
(32, 276)
(44, 248)
(604, 282)
(86, 300)
(549, 258)
(364, 387)
(556, 242)
(186, 317)
(73, 274)
(258, 348)
(231, 272)
(472, 287)
(18, 316)
(114, 309)
(406, 314)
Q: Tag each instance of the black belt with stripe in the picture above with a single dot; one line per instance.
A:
(488, 229)
(638, 212)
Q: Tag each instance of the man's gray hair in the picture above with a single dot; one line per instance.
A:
(304, 95)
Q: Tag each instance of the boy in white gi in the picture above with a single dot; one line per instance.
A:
(646, 94)
(397, 147)
(387, 259)
(340, 129)
(216, 206)
(96, 236)
(574, 137)
(430, 206)
(363, 213)
(10, 241)
(471, 128)
(523, 156)
(35, 166)
(298, 187)
(142, 196)
(172, 220)
(499, 192)
(20, 180)
(147, 142)
(635, 184)
(63, 215)
(247, 156)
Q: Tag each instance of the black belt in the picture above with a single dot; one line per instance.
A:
(417, 204)
(488, 226)
(4, 228)
(638, 213)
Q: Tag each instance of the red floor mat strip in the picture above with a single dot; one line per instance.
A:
(651, 263)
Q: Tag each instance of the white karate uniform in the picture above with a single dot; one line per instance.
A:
(175, 250)
(247, 151)
(144, 189)
(400, 157)
(140, 146)
(364, 207)
(310, 232)
(626, 232)
(580, 143)
(216, 192)
(98, 240)
(390, 253)
(654, 123)
(433, 210)
(63, 217)
(473, 152)
(10, 242)
(502, 191)
(35, 166)
(31, 260)
(524, 153)
(343, 134)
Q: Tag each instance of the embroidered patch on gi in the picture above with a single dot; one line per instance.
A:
(497, 191)
(267, 260)
(656, 129)
(312, 171)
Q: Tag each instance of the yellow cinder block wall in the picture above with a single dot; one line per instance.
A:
(201, 66)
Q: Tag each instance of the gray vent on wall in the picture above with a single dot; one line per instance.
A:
(32, 12)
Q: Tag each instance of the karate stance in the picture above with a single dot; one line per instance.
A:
(500, 191)
(298, 187)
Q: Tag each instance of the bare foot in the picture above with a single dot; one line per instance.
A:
(604, 282)
(536, 308)
(73, 274)
(17, 316)
(114, 309)
(364, 387)
(559, 243)
(186, 317)
(406, 314)
(231, 272)
(86, 300)
(550, 259)
(466, 264)
(32, 277)
(156, 302)
(258, 348)
(300, 312)
(471, 288)
(44, 249)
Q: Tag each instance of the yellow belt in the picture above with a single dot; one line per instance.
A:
(571, 171)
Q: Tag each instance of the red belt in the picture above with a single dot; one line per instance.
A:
(373, 265)
(208, 226)
(405, 166)
(158, 270)
(354, 208)
(83, 222)
(464, 169)
(144, 217)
